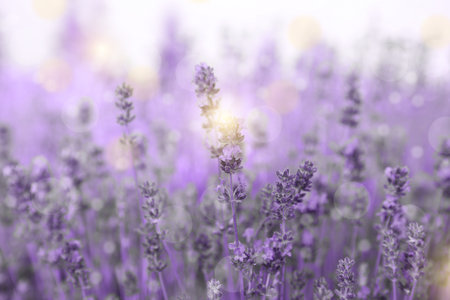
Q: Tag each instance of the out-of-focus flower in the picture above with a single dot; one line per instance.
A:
(205, 81)
(123, 93)
(74, 263)
(397, 181)
(354, 164)
(154, 202)
(350, 113)
(214, 289)
(298, 282)
(5, 143)
(443, 168)
(321, 290)
(154, 252)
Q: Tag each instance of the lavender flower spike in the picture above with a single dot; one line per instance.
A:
(345, 279)
(414, 257)
(214, 289)
(321, 290)
(397, 181)
(123, 93)
(390, 255)
(205, 80)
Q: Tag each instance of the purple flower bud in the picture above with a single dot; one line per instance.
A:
(205, 81)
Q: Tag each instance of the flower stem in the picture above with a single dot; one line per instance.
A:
(163, 287)
(267, 285)
(174, 265)
(394, 290)
(413, 289)
(141, 267)
(283, 269)
(233, 208)
(354, 238)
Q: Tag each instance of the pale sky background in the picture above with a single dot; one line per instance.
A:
(29, 28)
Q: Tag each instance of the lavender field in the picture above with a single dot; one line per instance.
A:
(276, 163)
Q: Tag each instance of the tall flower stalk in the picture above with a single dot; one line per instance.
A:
(228, 148)
(392, 218)
(289, 192)
(123, 93)
(414, 256)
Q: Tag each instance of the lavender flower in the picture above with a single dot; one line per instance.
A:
(130, 283)
(123, 93)
(5, 144)
(230, 159)
(205, 81)
(154, 202)
(345, 279)
(74, 263)
(444, 150)
(154, 251)
(414, 256)
(397, 181)
(354, 164)
(351, 111)
(298, 283)
(206, 91)
(390, 253)
(204, 246)
(239, 192)
(214, 289)
(240, 255)
(321, 290)
(391, 213)
(443, 168)
(290, 190)
(56, 224)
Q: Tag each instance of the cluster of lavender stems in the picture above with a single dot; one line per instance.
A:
(332, 208)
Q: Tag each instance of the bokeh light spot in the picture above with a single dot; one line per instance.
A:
(304, 32)
(264, 124)
(435, 31)
(144, 81)
(417, 151)
(438, 132)
(49, 9)
(118, 155)
(351, 200)
(80, 116)
(282, 96)
(104, 54)
(176, 223)
(54, 75)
